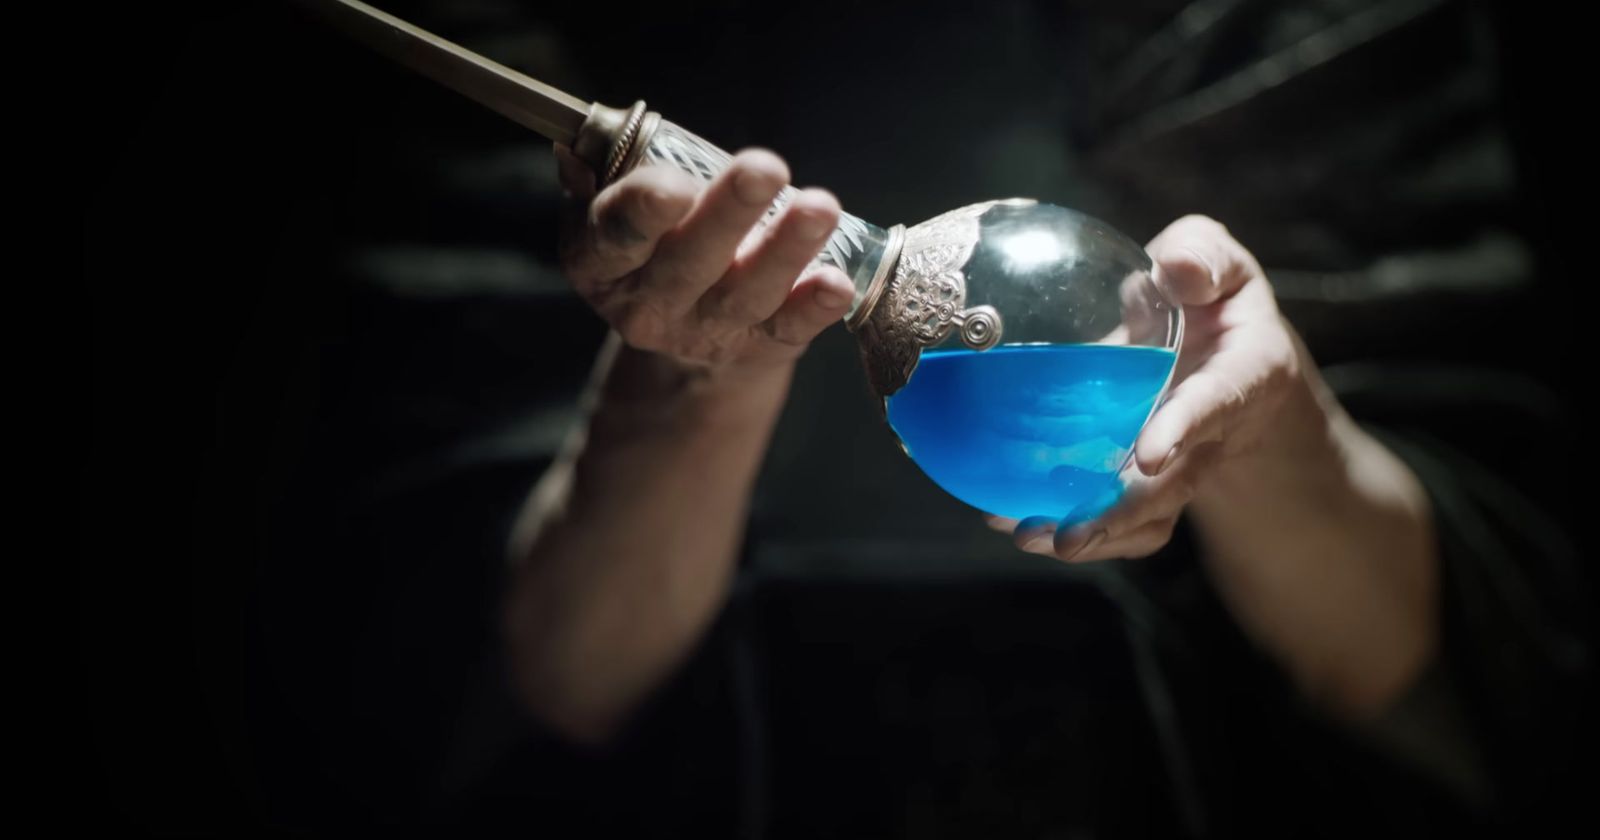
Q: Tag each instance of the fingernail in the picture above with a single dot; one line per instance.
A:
(1040, 543)
(812, 227)
(753, 187)
(830, 298)
(1094, 540)
(1172, 455)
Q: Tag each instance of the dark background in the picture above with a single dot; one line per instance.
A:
(329, 350)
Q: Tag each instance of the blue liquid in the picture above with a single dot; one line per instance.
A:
(1029, 430)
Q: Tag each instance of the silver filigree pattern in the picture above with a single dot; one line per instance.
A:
(674, 146)
(927, 298)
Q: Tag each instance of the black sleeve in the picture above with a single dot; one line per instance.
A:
(1501, 716)
(673, 770)
(1494, 732)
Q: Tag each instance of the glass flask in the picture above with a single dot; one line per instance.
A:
(1018, 347)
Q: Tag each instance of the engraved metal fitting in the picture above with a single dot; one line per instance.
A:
(880, 278)
(924, 299)
(612, 140)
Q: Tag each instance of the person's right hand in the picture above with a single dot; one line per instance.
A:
(687, 273)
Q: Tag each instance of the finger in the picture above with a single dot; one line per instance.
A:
(1002, 524)
(625, 223)
(1143, 541)
(699, 251)
(1200, 262)
(1035, 534)
(761, 280)
(1144, 501)
(1145, 316)
(1195, 414)
(1139, 503)
(577, 179)
(1209, 402)
(819, 300)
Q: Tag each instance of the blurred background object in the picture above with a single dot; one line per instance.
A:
(330, 352)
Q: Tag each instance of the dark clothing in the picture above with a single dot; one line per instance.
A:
(1121, 701)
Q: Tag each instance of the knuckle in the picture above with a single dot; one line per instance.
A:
(640, 325)
(612, 229)
(725, 306)
(661, 195)
(1201, 223)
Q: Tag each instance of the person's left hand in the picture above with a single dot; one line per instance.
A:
(1238, 362)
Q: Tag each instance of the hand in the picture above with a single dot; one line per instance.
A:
(1238, 362)
(629, 545)
(691, 276)
(1318, 539)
